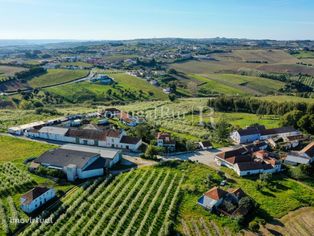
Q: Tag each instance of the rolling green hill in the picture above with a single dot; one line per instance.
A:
(56, 76)
(128, 88)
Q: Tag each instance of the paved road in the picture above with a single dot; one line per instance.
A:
(205, 157)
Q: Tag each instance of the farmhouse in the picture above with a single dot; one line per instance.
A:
(103, 79)
(164, 140)
(51, 133)
(114, 138)
(79, 162)
(36, 198)
(251, 134)
(305, 156)
(214, 197)
(246, 162)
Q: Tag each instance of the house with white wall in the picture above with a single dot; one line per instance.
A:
(214, 197)
(255, 133)
(304, 156)
(35, 198)
(248, 161)
(164, 140)
(113, 138)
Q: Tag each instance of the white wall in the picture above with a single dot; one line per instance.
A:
(41, 200)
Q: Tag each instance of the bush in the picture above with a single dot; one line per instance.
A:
(254, 226)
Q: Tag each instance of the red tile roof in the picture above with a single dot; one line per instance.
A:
(215, 193)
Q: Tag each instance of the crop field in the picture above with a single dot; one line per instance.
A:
(141, 202)
(13, 179)
(236, 61)
(309, 81)
(10, 70)
(242, 84)
(18, 149)
(201, 226)
(299, 222)
(271, 56)
(215, 86)
(9, 209)
(56, 76)
(287, 68)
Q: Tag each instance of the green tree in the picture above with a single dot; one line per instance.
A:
(306, 123)
(222, 130)
(254, 226)
(246, 202)
(291, 118)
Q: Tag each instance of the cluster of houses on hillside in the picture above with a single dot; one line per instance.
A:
(253, 158)
(249, 160)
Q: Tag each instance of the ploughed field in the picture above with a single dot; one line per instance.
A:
(299, 222)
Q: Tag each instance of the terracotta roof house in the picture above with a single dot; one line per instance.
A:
(36, 198)
(164, 140)
(245, 162)
(91, 135)
(127, 119)
(214, 197)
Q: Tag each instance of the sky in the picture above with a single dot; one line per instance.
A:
(130, 19)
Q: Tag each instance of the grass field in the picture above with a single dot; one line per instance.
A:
(78, 63)
(280, 197)
(10, 70)
(241, 84)
(238, 119)
(135, 84)
(216, 86)
(127, 89)
(56, 76)
(18, 149)
(304, 55)
(286, 99)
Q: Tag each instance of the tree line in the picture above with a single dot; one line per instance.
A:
(256, 106)
(298, 114)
